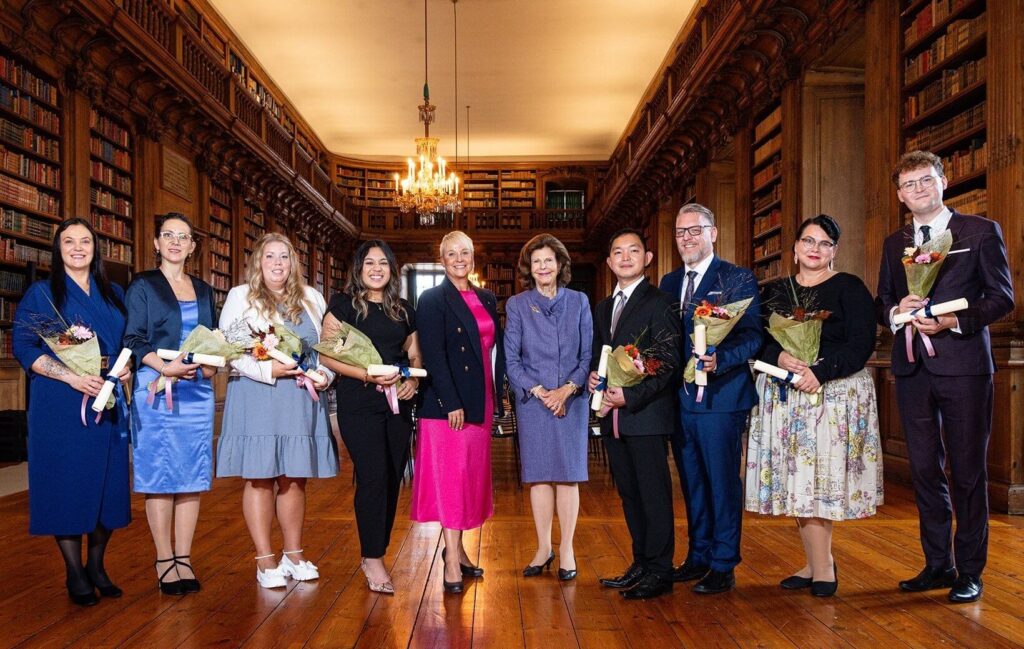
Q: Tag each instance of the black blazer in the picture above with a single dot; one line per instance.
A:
(154, 317)
(450, 344)
(648, 319)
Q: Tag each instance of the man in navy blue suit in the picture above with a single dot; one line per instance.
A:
(708, 446)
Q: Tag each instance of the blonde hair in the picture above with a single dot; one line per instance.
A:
(455, 236)
(265, 301)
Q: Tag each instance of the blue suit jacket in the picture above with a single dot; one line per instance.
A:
(154, 316)
(731, 386)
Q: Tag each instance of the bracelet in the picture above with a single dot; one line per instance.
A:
(534, 389)
(162, 370)
(575, 388)
(366, 377)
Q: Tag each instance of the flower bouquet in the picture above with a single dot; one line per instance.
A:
(922, 265)
(202, 346)
(625, 366)
(711, 324)
(277, 342)
(353, 347)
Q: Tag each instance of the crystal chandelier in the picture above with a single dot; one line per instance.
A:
(427, 188)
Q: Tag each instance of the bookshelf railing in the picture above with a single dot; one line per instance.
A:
(246, 109)
(212, 74)
(278, 139)
(529, 222)
(153, 17)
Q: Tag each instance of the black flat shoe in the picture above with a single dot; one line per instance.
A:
(826, 588)
(532, 570)
(966, 589)
(649, 587)
(454, 587)
(566, 575)
(715, 582)
(467, 571)
(795, 582)
(627, 580)
(189, 585)
(930, 579)
(169, 587)
(688, 571)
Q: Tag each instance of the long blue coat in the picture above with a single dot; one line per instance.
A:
(77, 476)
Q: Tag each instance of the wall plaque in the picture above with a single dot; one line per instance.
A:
(176, 176)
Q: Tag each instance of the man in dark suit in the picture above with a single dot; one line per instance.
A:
(637, 313)
(708, 446)
(951, 390)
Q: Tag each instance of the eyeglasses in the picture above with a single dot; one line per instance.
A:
(811, 243)
(171, 237)
(924, 183)
(693, 231)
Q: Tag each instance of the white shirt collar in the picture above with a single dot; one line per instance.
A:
(702, 267)
(938, 224)
(628, 290)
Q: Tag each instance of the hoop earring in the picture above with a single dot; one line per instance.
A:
(831, 263)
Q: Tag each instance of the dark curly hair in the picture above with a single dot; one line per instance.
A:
(561, 256)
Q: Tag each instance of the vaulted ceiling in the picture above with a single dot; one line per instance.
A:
(545, 79)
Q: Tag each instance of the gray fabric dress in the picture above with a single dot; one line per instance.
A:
(276, 430)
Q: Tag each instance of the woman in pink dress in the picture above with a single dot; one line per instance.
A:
(460, 339)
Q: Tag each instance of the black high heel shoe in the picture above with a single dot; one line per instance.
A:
(169, 587)
(109, 589)
(566, 575)
(82, 599)
(188, 585)
(532, 570)
(467, 571)
(826, 588)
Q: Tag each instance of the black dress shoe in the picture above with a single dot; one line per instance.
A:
(632, 575)
(169, 587)
(103, 584)
(454, 587)
(966, 588)
(688, 571)
(467, 571)
(826, 588)
(532, 570)
(188, 585)
(930, 579)
(649, 586)
(566, 575)
(715, 582)
(83, 599)
(795, 582)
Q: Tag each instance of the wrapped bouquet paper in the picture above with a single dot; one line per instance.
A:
(353, 347)
(202, 346)
(922, 265)
(799, 334)
(717, 321)
(627, 365)
(279, 343)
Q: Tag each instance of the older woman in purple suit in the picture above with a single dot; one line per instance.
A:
(548, 338)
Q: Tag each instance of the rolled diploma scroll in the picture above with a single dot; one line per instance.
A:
(777, 372)
(602, 371)
(942, 308)
(700, 346)
(200, 359)
(285, 359)
(388, 370)
(108, 385)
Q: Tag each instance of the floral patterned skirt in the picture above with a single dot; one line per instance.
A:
(819, 460)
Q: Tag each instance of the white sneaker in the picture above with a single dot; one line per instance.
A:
(301, 571)
(272, 578)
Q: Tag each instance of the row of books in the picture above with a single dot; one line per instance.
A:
(972, 202)
(481, 175)
(382, 184)
(6, 348)
(7, 309)
(769, 123)
(513, 175)
(253, 215)
(350, 183)
(220, 265)
(929, 136)
(110, 153)
(106, 200)
(220, 246)
(517, 184)
(27, 138)
(516, 194)
(12, 282)
(768, 271)
(767, 222)
(951, 83)
(109, 129)
(766, 199)
(220, 282)
(17, 193)
(29, 168)
(121, 252)
(220, 230)
(766, 174)
(219, 214)
(379, 194)
(502, 221)
(12, 250)
(220, 194)
(966, 161)
(108, 224)
(499, 271)
(481, 204)
(19, 76)
(258, 91)
(770, 246)
(958, 35)
(517, 204)
(768, 149)
(106, 174)
(28, 107)
(14, 221)
(929, 16)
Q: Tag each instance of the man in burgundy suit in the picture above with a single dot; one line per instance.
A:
(951, 390)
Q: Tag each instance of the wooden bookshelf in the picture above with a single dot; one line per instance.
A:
(111, 187)
(218, 248)
(944, 92)
(766, 234)
(366, 187)
(337, 275)
(302, 249)
(519, 189)
(31, 182)
(254, 225)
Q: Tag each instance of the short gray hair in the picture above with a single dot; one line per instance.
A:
(697, 208)
(455, 236)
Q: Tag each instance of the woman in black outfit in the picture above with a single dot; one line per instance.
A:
(376, 438)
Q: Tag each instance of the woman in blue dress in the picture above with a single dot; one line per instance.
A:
(77, 473)
(172, 452)
(548, 337)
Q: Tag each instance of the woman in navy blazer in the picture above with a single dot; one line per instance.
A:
(172, 450)
(462, 351)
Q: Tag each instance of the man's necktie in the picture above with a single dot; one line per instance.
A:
(620, 301)
(926, 233)
(691, 276)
